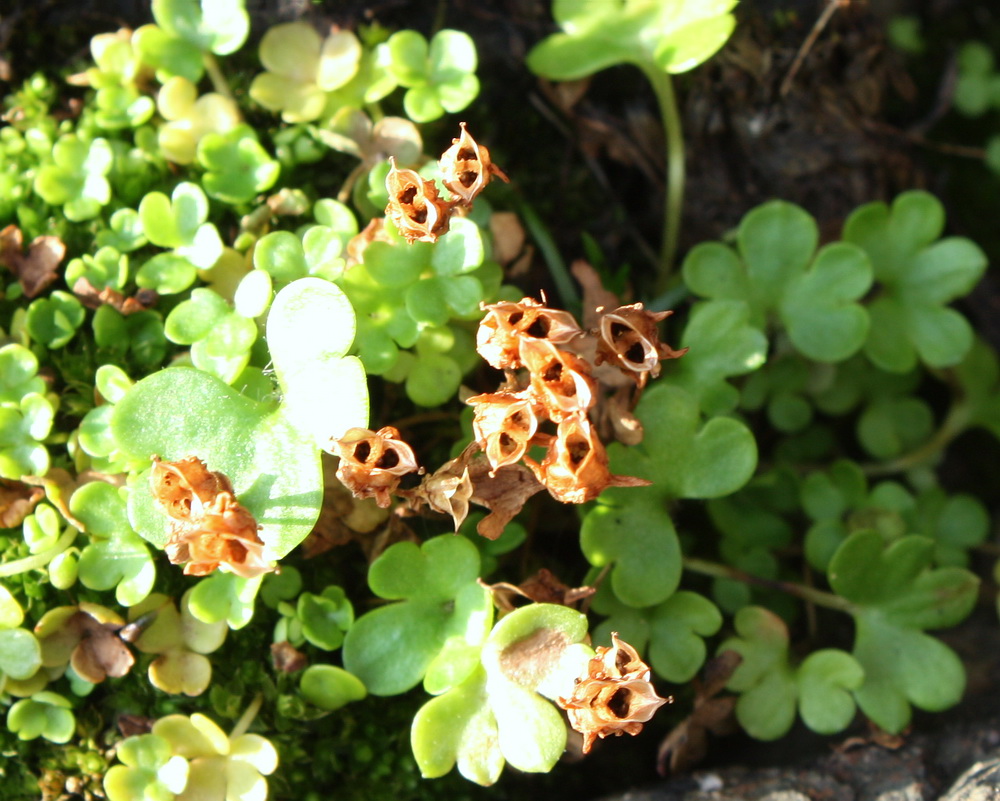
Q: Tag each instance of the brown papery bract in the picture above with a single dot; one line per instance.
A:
(504, 424)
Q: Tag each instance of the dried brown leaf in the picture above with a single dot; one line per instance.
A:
(100, 652)
(508, 236)
(543, 587)
(91, 297)
(17, 499)
(687, 743)
(38, 267)
(286, 658)
(504, 493)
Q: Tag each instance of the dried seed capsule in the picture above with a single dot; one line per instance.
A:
(466, 168)
(415, 208)
(372, 462)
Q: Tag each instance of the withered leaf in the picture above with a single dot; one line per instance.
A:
(36, 268)
(16, 501)
(286, 658)
(595, 295)
(504, 493)
(543, 587)
(91, 297)
(687, 743)
(342, 518)
(100, 652)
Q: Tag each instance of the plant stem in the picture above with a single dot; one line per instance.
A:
(954, 424)
(674, 201)
(39, 560)
(810, 594)
(247, 718)
(215, 75)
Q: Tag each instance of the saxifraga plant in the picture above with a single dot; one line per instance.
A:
(191, 320)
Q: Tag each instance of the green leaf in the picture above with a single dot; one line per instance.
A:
(639, 539)
(238, 168)
(897, 595)
(224, 596)
(391, 647)
(776, 270)
(54, 320)
(217, 25)
(721, 343)
(310, 328)
(45, 714)
(920, 276)
(20, 653)
(275, 472)
(674, 37)
(764, 679)
(330, 687)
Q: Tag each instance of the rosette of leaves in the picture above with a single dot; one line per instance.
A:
(54, 320)
(754, 528)
(177, 222)
(218, 767)
(301, 68)
(439, 76)
(435, 628)
(94, 434)
(684, 457)
(135, 340)
(220, 337)
(180, 641)
(839, 501)
(772, 687)
(919, 274)
(322, 620)
(124, 233)
(23, 429)
(76, 176)
(20, 653)
(118, 101)
(237, 167)
(498, 711)
(45, 714)
(105, 268)
(190, 117)
(776, 269)
(406, 298)
(149, 769)
(895, 595)
(18, 374)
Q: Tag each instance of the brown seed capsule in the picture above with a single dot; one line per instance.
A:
(560, 382)
(466, 168)
(415, 208)
(506, 324)
(615, 697)
(628, 339)
(504, 425)
(209, 528)
(372, 462)
(575, 468)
